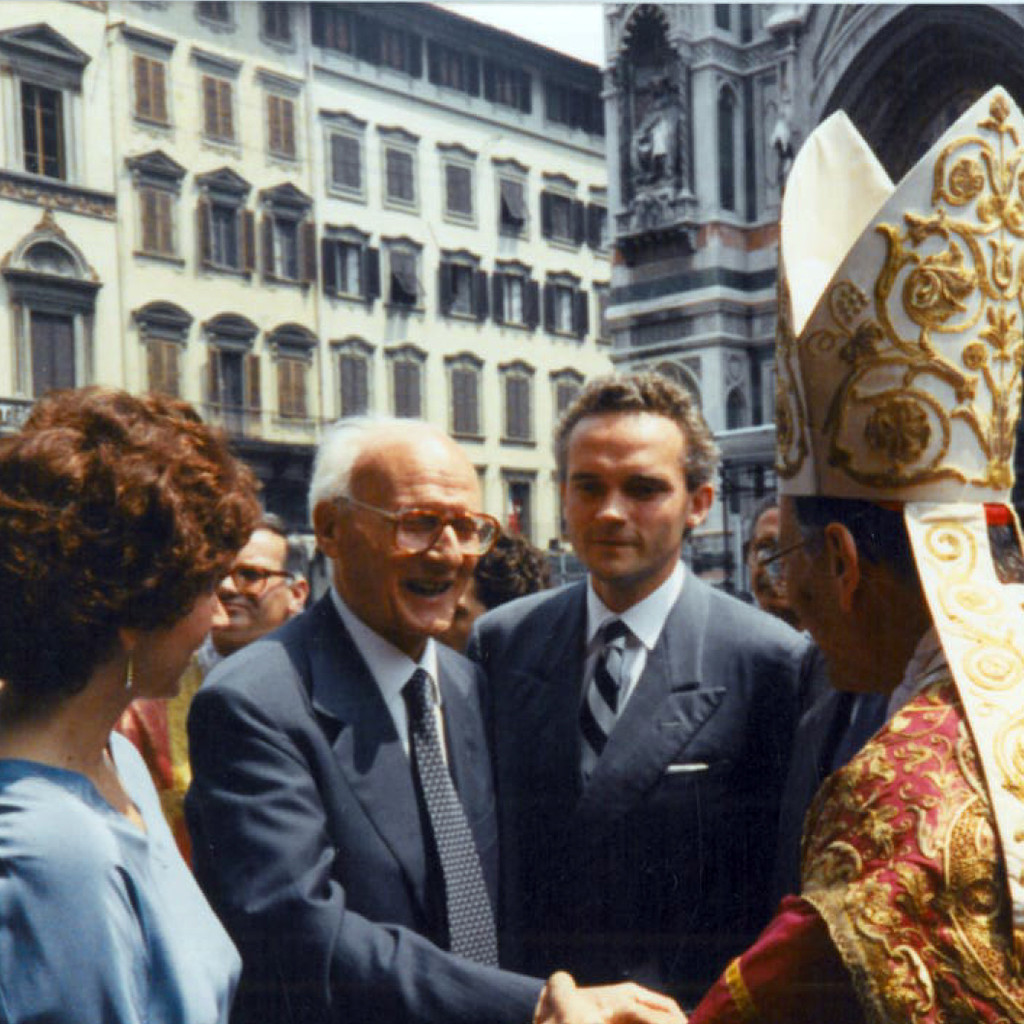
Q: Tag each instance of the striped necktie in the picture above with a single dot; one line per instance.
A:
(471, 928)
(600, 706)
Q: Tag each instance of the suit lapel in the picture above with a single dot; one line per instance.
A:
(548, 695)
(348, 703)
(665, 711)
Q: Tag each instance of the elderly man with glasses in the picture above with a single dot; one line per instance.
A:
(342, 811)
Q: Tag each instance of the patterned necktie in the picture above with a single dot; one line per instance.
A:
(471, 929)
(601, 705)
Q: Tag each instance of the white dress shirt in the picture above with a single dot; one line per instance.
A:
(391, 669)
(646, 619)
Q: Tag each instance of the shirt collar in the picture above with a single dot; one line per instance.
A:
(646, 619)
(390, 667)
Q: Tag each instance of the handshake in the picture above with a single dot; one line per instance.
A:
(562, 1002)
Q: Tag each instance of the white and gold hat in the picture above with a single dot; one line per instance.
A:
(898, 364)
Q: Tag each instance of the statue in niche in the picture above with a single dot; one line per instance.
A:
(654, 138)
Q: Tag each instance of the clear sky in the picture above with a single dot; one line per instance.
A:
(574, 28)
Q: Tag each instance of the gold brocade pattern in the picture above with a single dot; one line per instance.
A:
(902, 861)
(790, 418)
(919, 342)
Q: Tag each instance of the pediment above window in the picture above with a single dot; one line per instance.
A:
(163, 320)
(42, 45)
(286, 197)
(156, 166)
(225, 181)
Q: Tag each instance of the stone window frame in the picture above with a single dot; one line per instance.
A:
(354, 347)
(369, 271)
(518, 174)
(465, 362)
(518, 370)
(158, 173)
(400, 141)
(342, 124)
(157, 51)
(292, 346)
(454, 156)
(284, 91)
(39, 56)
(412, 355)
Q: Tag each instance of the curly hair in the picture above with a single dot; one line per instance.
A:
(116, 511)
(643, 392)
(512, 568)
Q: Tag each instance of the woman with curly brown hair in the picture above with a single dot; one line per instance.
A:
(118, 515)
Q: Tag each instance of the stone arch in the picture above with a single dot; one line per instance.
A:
(904, 74)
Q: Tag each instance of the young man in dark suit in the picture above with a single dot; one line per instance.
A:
(641, 720)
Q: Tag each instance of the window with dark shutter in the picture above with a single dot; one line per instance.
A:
(346, 162)
(517, 407)
(276, 22)
(465, 401)
(459, 190)
(150, 88)
(404, 279)
(163, 358)
(406, 376)
(291, 388)
(565, 394)
(218, 119)
(512, 215)
(214, 10)
(157, 208)
(399, 168)
(281, 126)
(332, 27)
(355, 384)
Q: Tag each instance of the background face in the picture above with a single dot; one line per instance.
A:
(769, 587)
(627, 504)
(246, 618)
(405, 598)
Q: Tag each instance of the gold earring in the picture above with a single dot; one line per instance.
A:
(129, 676)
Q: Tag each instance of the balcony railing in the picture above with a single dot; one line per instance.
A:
(261, 423)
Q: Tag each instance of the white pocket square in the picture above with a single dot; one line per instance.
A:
(690, 766)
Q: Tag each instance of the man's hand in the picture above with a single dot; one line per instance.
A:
(562, 1002)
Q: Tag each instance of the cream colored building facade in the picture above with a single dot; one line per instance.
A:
(288, 213)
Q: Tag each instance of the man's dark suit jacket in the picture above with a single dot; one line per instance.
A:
(309, 842)
(659, 870)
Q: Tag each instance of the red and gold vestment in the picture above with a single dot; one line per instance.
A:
(904, 914)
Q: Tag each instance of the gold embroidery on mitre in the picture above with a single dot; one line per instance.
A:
(790, 419)
(939, 342)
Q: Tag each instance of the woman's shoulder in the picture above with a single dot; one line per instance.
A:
(52, 826)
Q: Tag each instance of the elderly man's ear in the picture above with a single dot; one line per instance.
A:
(843, 561)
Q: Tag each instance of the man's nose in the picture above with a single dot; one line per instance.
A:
(447, 544)
(613, 506)
(227, 587)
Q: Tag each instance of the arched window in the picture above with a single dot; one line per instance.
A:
(727, 150)
(736, 410)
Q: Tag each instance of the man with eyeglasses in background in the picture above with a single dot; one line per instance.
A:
(267, 585)
(342, 810)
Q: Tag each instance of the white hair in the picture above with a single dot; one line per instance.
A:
(342, 444)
